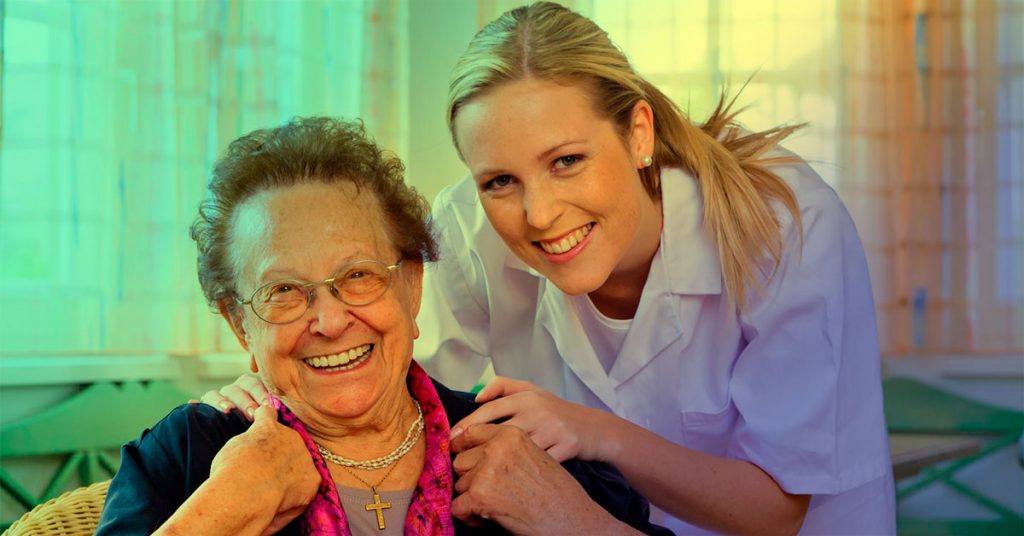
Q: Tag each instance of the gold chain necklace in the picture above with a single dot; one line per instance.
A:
(376, 504)
(411, 437)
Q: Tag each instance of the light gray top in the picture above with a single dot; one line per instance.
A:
(363, 522)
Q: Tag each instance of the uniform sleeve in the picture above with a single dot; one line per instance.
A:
(807, 386)
(453, 320)
(161, 468)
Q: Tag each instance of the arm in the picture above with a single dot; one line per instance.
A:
(724, 495)
(506, 478)
(259, 482)
(197, 472)
(810, 364)
(223, 506)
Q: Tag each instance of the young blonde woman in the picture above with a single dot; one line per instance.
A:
(689, 303)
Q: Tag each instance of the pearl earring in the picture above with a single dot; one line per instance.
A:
(646, 160)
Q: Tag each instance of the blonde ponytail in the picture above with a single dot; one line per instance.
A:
(736, 184)
(549, 41)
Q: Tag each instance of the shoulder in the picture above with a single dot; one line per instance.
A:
(824, 219)
(811, 191)
(188, 437)
(457, 404)
(465, 232)
(461, 192)
(456, 207)
(474, 260)
(201, 423)
(164, 465)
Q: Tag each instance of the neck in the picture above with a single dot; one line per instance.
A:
(619, 296)
(369, 436)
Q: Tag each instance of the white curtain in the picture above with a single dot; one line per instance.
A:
(915, 117)
(113, 115)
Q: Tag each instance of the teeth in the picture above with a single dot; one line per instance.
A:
(349, 357)
(568, 242)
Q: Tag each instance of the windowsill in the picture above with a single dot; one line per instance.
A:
(56, 370)
(22, 371)
(221, 366)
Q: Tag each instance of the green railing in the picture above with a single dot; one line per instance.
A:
(914, 407)
(84, 431)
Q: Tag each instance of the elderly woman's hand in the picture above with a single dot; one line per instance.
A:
(271, 456)
(564, 429)
(246, 393)
(505, 477)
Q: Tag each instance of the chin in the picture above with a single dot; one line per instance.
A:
(575, 284)
(353, 404)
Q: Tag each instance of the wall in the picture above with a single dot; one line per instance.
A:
(438, 34)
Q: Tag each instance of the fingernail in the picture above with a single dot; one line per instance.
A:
(225, 406)
(250, 411)
(456, 432)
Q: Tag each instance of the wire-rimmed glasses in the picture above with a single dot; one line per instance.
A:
(284, 301)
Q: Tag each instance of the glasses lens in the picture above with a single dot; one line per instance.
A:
(362, 282)
(281, 301)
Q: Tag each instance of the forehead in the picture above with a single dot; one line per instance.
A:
(525, 116)
(307, 228)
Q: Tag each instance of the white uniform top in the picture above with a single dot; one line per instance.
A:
(792, 384)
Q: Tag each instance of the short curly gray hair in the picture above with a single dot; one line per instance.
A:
(305, 149)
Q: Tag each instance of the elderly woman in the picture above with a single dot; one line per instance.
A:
(312, 248)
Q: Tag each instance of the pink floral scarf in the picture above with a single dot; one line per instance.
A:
(430, 511)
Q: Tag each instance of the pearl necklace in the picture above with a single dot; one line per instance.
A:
(411, 437)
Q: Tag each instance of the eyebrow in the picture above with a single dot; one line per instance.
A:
(547, 154)
(540, 158)
(280, 274)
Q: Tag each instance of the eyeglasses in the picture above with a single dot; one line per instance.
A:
(359, 283)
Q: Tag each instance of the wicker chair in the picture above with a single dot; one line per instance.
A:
(74, 513)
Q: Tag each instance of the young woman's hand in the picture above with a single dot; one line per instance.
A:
(506, 478)
(564, 429)
(246, 393)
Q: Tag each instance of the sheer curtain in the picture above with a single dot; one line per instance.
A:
(931, 152)
(915, 118)
(784, 52)
(113, 113)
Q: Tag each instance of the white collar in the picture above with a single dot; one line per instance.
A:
(689, 254)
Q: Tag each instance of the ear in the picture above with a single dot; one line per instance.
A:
(415, 279)
(233, 316)
(641, 132)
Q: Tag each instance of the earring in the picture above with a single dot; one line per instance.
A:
(646, 161)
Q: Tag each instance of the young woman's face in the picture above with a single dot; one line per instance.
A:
(558, 183)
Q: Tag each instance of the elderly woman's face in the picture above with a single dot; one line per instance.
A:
(307, 232)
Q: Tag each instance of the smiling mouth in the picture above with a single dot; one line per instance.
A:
(571, 240)
(346, 360)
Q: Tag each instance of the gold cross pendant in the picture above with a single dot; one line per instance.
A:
(379, 507)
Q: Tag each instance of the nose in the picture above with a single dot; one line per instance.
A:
(328, 315)
(540, 204)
